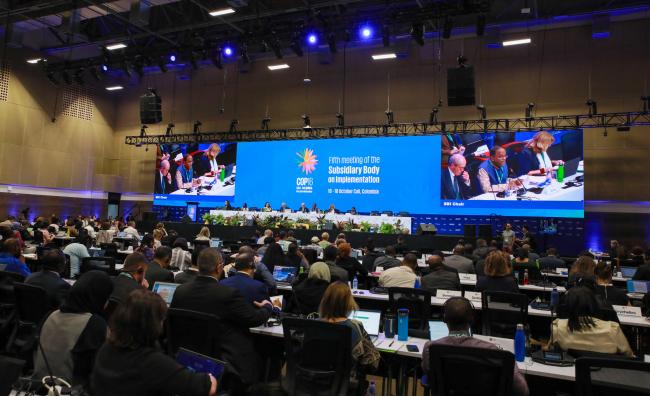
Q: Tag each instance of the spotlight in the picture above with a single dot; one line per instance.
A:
(331, 42)
(265, 123)
(216, 59)
(227, 50)
(417, 33)
(340, 120)
(105, 68)
(197, 127)
(446, 27)
(52, 77)
(170, 129)
(78, 77)
(172, 58)
(312, 38)
(295, 46)
(366, 32)
(385, 35)
(233, 125)
(529, 111)
(593, 107)
(462, 61)
(433, 116)
(482, 110)
(646, 103)
(306, 121)
(480, 25)
(390, 117)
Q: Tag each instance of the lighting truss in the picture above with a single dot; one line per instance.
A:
(562, 122)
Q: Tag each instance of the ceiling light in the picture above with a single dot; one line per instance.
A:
(114, 88)
(114, 47)
(516, 42)
(33, 61)
(278, 67)
(222, 12)
(312, 38)
(366, 32)
(384, 56)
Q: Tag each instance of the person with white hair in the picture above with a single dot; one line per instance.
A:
(456, 184)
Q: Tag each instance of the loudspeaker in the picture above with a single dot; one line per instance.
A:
(485, 231)
(427, 229)
(460, 86)
(114, 198)
(150, 108)
(469, 231)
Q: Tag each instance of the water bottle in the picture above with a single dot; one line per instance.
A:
(516, 274)
(302, 270)
(520, 343)
(525, 277)
(416, 285)
(222, 175)
(555, 298)
(402, 324)
(372, 389)
(389, 325)
(355, 283)
(560, 173)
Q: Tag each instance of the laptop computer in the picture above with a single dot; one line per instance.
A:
(199, 363)
(284, 274)
(437, 330)
(628, 272)
(571, 167)
(370, 321)
(165, 290)
(637, 286)
(216, 243)
(97, 252)
(121, 234)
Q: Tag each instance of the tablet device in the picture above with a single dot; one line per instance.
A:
(200, 363)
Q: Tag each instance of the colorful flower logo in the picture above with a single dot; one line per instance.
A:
(307, 161)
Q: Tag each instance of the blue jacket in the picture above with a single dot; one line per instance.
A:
(251, 289)
(11, 264)
(448, 190)
(497, 175)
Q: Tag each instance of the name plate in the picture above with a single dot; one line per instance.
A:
(467, 277)
(379, 269)
(473, 296)
(448, 293)
(624, 310)
(561, 270)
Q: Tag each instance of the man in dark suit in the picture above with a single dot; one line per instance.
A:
(164, 179)
(242, 280)
(157, 269)
(49, 278)
(237, 316)
(130, 278)
(455, 180)
(440, 276)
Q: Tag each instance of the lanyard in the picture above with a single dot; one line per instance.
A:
(187, 174)
(499, 173)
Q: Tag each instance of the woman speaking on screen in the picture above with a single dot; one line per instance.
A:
(535, 160)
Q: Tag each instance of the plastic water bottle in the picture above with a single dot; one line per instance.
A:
(302, 270)
(520, 343)
(372, 389)
(416, 285)
(555, 298)
(525, 277)
(222, 175)
(560, 173)
(402, 324)
(355, 283)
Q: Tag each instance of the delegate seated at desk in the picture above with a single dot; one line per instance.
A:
(185, 174)
(164, 183)
(493, 173)
(208, 165)
(534, 159)
(456, 183)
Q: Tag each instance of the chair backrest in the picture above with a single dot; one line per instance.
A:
(599, 376)
(10, 369)
(502, 311)
(31, 303)
(110, 249)
(196, 331)
(491, 371)
(203, 242)
(310, 254)
(417, 301)
(106, 264)
(319, 357)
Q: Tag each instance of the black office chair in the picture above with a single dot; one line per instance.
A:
(110, 250)
(106, 264)
(31, 311)
(417, 301)
(203, 242)
(10, 369)
(605, 376)
(502, 311)
(196, 331)
(319, 358)
(8, 302)
(490, 370)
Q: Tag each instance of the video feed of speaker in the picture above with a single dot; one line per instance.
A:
(205, 169)
(522, 166)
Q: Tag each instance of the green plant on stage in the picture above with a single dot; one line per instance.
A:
(365, 226)
(386, 228)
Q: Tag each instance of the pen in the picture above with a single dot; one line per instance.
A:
(391, 343)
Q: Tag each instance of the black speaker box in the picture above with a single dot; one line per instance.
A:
(460, 86)
(427, 229)
(150, 108)
(485, 231)
(469, 230)
(114, 198)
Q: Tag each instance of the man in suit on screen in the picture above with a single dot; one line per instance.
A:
(455, 180)
(164, 179)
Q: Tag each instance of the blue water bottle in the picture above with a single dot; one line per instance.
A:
(402, 324)
(520, 343)
(555, 298)
(416, 285)
(372, 389)
(355, 283)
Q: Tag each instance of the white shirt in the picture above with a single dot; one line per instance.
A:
(91, 231)
(132, 231)
(544, 160)
(401, 276)
(453, 176)
(213, 165)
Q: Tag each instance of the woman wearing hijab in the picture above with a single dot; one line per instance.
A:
(308, 293)
(72, 335)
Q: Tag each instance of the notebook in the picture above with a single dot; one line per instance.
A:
(200, 363)
(165, 290)
(370, 321)
(284, 274)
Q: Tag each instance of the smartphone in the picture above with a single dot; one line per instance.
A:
(412, 348)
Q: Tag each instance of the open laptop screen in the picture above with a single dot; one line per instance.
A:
(369, 319)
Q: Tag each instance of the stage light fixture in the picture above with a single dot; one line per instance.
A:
(196, 128)
(340, 120)
(265, 123)
(482, 111)
(384, 56)
(78, 77)
(331, 42)
(114, 47)
(593, 107)
(366, 32)
(385, 35)
(312, 38)
(529, 110)
(509, 43)
(480, 25)
(306, 121)
(278, 67)
(646, 103)
(447, 26)
(33, 61)
(433, 116)
(170, 129)
(227, 50)
(114, 88)
(461, 60)
(417, 33)
(233, 125)
(390, 117)
(105, 68)
(222, 12)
